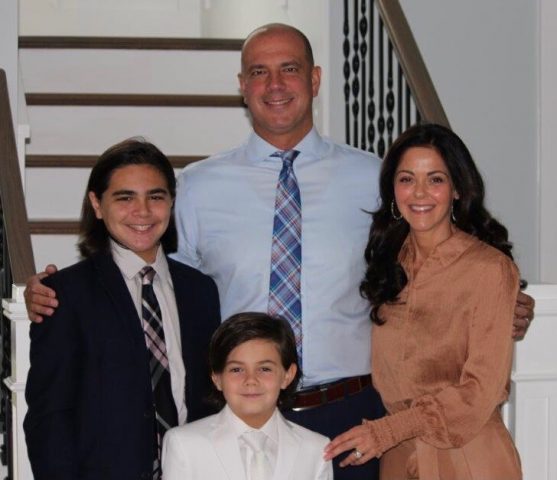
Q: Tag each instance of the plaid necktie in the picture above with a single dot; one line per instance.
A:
(166, 415)
(286, 252)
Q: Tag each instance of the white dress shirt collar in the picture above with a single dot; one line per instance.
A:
(270, 428)
(311, 146)
(130, 263)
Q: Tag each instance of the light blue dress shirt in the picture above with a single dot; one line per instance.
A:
(224, 216)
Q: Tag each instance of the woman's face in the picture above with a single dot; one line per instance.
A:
(424, 193)
(135, 208)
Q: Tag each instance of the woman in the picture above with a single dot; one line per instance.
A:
(443, 287)
(123, 356)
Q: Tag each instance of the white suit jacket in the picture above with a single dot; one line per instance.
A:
(208, 449)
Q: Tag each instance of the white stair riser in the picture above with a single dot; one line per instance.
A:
(56, 193)
(130, 71)
(175, 130)
(58, 249)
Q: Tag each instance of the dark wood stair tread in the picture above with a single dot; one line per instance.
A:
(87, 161)
(54, 227)
(130, 43)
(132, 100)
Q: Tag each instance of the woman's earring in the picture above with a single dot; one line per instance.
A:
(393, 211)
(453, 218)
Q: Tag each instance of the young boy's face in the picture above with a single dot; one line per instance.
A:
(135, 208)
(252, 379)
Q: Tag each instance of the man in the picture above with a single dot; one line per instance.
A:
(225, 210)
(225, 214)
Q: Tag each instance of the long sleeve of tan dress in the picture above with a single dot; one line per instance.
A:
(442, 362)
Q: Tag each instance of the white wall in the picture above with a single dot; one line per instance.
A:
(484, 60)
(8, 50)
(548, 140)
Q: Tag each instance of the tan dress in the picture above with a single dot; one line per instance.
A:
(445, 351)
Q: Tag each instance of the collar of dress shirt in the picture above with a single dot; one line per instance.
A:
(442, 255)
(258, 151)
(130, 263)
(270, 428)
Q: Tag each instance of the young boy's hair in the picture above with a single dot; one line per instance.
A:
(243, 327)
(93, 234)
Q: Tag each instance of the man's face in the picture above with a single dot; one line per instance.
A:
(278, 84)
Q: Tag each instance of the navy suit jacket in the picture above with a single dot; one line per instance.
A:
(89, 388)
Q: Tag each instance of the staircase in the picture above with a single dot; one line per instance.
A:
(85, 94)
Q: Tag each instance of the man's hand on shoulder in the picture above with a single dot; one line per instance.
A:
(39, 299)
(523, 315)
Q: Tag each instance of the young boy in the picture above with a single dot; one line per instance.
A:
(254, 366)
(123, 356)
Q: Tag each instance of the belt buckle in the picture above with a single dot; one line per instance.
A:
(323, 390)
(302, 409)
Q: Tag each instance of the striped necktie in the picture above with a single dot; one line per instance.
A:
(286, 251)
(166, 415)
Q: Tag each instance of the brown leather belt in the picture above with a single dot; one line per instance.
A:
(330, 392)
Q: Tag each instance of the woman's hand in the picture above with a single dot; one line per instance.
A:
(359, 440)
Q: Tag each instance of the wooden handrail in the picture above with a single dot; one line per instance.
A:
(17, 236)
(411, 61)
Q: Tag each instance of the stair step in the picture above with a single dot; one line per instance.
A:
(130, 43)
(87, 161)
(132, 100)
(193, 72)
(54, 227)
(85, 130)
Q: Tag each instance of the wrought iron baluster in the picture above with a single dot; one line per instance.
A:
(390, 96)
(400, 104)
(379, 104)
(363, 25)
(381, 118)
(355, 70)
(371, 88)
(408, 96)
(5, 356)
(346, 71)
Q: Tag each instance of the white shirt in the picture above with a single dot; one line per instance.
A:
(270, 429)
(224, 216)
(130, 265)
